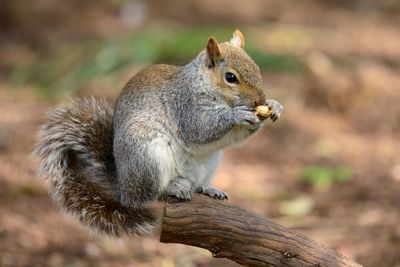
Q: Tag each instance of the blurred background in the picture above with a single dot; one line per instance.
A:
(330, 168)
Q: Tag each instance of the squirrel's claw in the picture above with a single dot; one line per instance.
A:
(213, 192)
(184, 194)
(276, 108)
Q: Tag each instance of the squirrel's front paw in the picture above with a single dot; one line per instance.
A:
(276, 108)
(245, 116)
(213, 192)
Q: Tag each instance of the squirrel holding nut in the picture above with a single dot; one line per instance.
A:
(163, 138)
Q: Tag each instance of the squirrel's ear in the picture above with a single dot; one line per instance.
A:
(213, 51)
(237, 39)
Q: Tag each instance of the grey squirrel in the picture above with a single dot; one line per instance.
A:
(164, 138)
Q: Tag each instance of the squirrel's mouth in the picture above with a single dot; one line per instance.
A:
(244, 101)
(251, 101)
(260, 99)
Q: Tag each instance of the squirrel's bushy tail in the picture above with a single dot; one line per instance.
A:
(75, 146)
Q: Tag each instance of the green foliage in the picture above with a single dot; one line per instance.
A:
(274, 62)
(71, 66)
(322, 177)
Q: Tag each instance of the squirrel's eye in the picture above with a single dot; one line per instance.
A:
(231, 78)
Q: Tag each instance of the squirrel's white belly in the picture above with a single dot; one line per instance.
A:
(162, 151)
(200, 170)
(174, 162)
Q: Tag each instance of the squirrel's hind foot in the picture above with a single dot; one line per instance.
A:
(180, 188)
(213, 192)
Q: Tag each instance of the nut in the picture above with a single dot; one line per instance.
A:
(263, 112)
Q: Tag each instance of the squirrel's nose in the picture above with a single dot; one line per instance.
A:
(260, 99)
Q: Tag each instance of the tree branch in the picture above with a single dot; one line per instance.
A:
(231, 232)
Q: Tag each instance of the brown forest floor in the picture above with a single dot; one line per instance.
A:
(344, 110)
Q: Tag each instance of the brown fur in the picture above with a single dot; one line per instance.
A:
(238, 34)
(236, 60)
(213, 50)
(83, 145)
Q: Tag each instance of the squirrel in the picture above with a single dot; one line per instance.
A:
(163, 138)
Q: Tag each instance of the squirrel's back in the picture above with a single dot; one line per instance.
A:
(76, 150)
(152, 77)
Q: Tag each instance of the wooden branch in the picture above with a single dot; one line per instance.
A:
(231, 232)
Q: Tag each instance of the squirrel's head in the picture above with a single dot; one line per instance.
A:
(236, 76)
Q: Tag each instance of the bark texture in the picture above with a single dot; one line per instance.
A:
(231, 232)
